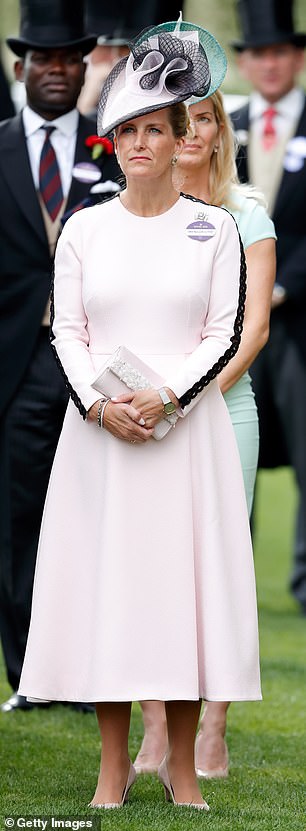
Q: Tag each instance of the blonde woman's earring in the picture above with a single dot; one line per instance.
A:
(216, 148)
(173, 160)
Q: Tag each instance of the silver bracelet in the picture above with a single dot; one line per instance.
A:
(101, 402)
(103, 405)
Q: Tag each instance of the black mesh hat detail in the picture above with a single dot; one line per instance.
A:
(51, 24)
(166, 65)
(196, 72)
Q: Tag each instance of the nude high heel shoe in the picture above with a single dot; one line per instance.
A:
(211, 753)
(130, 781)
(169, 794)
(217, 773)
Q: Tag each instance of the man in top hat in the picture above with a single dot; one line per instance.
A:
(271, 129)
(115, 28)
(46, 172)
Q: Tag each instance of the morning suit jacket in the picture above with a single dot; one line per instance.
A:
(288, 321)
(25, 262)
(289, 217)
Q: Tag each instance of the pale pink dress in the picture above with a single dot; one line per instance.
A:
(144, 585)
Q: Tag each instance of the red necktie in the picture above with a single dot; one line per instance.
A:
(269, 134)
(49, 177)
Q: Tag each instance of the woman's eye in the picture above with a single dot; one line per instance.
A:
(154, 130)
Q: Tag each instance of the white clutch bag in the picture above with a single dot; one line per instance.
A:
(125, 371)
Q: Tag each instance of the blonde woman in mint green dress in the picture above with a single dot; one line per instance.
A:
(206, 169)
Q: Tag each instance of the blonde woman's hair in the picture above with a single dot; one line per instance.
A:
(223, 176)
(223, 171)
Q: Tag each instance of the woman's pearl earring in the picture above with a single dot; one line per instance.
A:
(173, 160)
(216, 148)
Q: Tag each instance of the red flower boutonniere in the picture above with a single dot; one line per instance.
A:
(98, 146)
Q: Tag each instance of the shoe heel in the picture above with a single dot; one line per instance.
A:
(126, 795)
(130, 782)
(168, 796)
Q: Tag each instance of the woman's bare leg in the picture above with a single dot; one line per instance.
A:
(182, 721)
(155, 740)
(114, 725)
(211, 755)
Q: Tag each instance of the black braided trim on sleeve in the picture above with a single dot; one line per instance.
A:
(238, 326)
(72, 393)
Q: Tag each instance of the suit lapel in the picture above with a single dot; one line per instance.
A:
(240, 121)
(16, 170)
(287, 185)
(240, 118)
(288, 181)
(79, 190)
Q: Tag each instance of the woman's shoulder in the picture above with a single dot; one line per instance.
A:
(251, 216)
(207, 212)
(89, 216)
(246, 200)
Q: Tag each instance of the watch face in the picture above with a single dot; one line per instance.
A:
(169, 408)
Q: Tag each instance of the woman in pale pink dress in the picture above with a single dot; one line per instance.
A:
(136, 529)
(206, 168)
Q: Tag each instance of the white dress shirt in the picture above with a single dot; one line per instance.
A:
(288, 109)
(63, 140)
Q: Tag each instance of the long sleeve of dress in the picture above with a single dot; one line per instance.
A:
(69, 324)
(222, 327)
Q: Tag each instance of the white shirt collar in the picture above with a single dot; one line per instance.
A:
(66, 124)
(290, 106)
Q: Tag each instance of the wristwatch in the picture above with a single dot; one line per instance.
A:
(169, 407)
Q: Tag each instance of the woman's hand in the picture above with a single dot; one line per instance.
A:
(123, 420)
(149, 404)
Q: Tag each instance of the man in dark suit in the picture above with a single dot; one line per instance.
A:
(271, 129)
(35, 193)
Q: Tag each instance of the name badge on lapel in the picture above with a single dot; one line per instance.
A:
(86, 172)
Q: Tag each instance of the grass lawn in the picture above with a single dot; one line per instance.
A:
(49, 759)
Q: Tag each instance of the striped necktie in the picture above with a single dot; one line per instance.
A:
(50, 185)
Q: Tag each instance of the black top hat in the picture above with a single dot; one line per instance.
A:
(118, 24)
(50, 24)
(266, 22)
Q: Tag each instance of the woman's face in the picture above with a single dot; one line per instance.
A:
(146, 145)
(203, 136)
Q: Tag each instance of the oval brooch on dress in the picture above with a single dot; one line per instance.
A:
(200, 230)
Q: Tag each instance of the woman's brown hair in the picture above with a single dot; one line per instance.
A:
(179, 119)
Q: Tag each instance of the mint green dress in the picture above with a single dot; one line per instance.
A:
(254, 224)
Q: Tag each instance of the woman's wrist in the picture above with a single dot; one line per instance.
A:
(101, 410)
(96, 411)
(172, 397)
